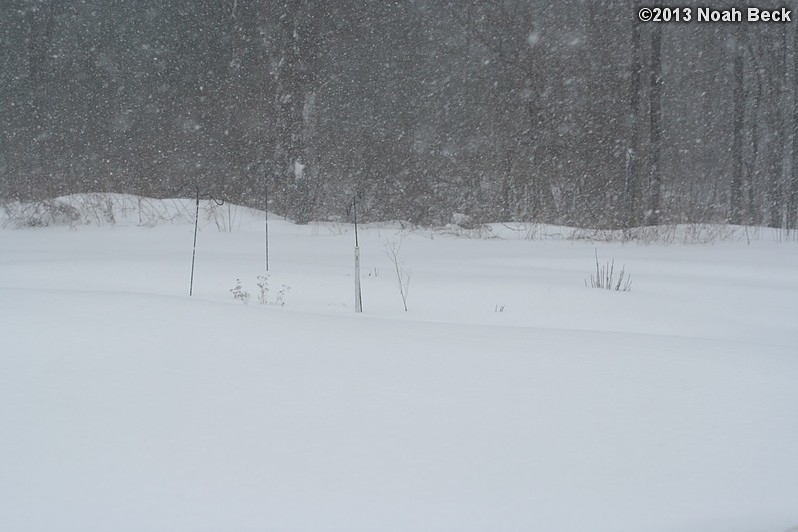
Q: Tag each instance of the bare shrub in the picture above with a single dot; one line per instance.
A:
(40, 214)
(606, 278)
(263, 289)
(226, 217)
(279, 299)
(239, 293)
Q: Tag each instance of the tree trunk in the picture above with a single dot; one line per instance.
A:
(792, 203)
(632, 160)
(298, 50)
(778, 167)
(655, 172)
(735, 188)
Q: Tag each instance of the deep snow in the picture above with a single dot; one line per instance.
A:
(510, 396)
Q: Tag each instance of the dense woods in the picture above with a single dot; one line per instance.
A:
(569, 112)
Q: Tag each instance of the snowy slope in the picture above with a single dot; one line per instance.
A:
(510, 397)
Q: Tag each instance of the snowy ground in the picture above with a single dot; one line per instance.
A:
(509, 398)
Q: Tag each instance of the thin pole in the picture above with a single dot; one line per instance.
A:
(194, 251)
(354, 209)
(358, 295)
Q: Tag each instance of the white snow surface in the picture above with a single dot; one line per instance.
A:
(509, 398)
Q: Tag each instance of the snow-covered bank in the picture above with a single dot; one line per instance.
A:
(509, 397)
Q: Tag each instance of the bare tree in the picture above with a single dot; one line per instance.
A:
(402, 275)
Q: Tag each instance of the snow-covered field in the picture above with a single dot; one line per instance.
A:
(509, 398)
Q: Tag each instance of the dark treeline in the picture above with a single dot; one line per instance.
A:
(567, 112)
